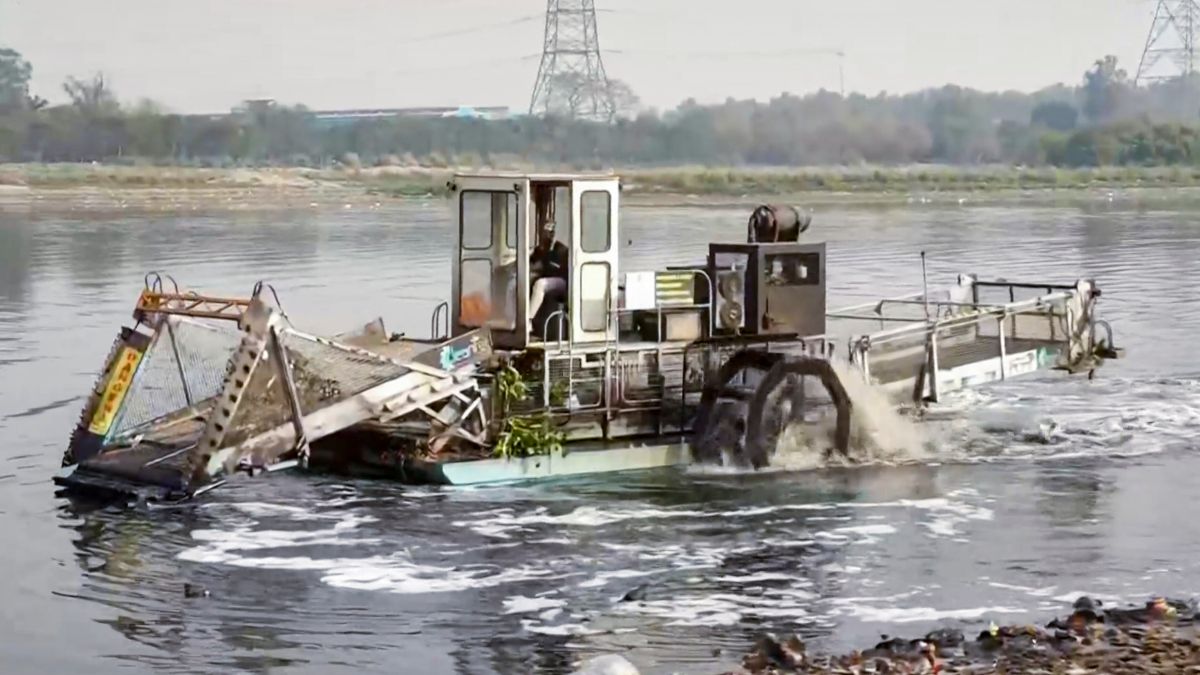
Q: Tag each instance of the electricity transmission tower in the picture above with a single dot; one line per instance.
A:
(571, 78)
(1173, 38)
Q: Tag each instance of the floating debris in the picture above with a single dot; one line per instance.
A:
(1161, 637)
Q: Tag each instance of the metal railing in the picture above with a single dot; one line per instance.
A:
(919, 333)
(442, 311)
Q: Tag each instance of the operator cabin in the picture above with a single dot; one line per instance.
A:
(536, 257)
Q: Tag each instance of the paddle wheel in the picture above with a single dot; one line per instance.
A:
(753, 399)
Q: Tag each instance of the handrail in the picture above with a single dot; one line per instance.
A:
(562, 318)
(1022, 307)
(712, 294)
(1024, 284)
(433, 321)
(877, 303)
(877, 317)
(916, 297)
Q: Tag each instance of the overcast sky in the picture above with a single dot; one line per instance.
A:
(207, 55)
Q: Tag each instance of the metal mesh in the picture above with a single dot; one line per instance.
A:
(204, 351)
(351, 372)
(323, 374)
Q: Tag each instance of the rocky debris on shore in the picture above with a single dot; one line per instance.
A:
(1161, 637)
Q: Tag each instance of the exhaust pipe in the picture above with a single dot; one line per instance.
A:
(776, 223)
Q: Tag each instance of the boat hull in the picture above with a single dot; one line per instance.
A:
(575, 459)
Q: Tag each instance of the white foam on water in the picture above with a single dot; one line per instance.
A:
(867, 529)
(396, 573)
(947, 515)
(795, 592)
(220, 545)
(624, 548)
(723, 609)
(399, 574)
(1058, 418)
(867, 534)
(269, 510)
(915, 614)
(561, 630)
(505, 522)
(1028, 590)
(520, 604)
(754, 577)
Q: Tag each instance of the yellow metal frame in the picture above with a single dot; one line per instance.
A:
(189, 304)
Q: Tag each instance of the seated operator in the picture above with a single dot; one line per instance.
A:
(547, 270)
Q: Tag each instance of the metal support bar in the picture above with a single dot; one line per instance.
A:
(289, 391)
(187, 392)
(1003, 350)
(933, 367)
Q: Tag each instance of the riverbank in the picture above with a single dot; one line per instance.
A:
(1161, 637)
(685, 185)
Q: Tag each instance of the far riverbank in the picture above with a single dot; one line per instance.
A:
(269, 187)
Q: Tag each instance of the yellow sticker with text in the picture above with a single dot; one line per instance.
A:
(115, 390)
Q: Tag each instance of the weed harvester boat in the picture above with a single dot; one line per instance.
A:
(523, 378)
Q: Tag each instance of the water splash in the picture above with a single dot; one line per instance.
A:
(879, 432)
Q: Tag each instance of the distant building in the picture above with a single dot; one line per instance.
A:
(328, 118)
(333, 117)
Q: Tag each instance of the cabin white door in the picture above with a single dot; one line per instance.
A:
(491, 256)
(594, 247)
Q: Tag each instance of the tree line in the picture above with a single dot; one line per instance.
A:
(1101, 120)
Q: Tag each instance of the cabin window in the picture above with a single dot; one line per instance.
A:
(794, 269)
(595, 221)
(484, 213)
(593, 296)
(486, 298)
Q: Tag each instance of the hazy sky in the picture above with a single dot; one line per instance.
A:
(207, 55)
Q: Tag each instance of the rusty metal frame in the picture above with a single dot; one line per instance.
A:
(154, 303)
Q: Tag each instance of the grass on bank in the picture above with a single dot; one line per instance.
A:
(421, 181)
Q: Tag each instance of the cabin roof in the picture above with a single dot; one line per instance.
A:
(598, 175)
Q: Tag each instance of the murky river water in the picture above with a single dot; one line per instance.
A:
(311, 574)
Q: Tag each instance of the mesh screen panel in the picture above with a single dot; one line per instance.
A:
(204, 351)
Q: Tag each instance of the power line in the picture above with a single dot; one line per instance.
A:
(429, 37)
(767, 53)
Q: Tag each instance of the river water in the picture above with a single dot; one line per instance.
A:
(1045, 488)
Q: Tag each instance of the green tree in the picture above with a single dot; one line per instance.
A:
(91, 97)
(15, 72)
(1056, 115)
(960, 127)
(1105, 90)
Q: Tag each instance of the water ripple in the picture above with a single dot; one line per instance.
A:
(1044, 488)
